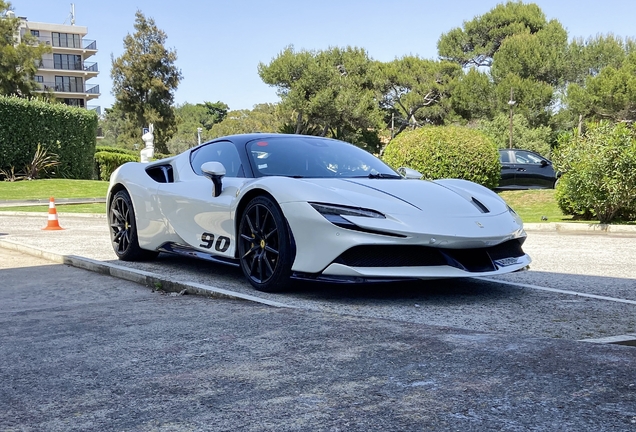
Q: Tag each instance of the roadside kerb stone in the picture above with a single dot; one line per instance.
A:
(141, 277)
(45, 201)
(581, 228)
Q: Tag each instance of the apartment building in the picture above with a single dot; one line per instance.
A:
(65, 71)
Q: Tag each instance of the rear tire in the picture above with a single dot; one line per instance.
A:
(264, 245)
(123, 230)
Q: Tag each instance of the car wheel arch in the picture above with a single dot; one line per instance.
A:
(113, 191)
(242, 205)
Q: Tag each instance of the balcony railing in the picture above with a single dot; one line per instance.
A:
(75, 66)
(96, 108)
(87, 44)
(70, 88)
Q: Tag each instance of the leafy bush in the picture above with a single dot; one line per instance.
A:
(447, 152)
(66, 131)
(41, 163)
(118, 150)
(107, 159)
(599, 172)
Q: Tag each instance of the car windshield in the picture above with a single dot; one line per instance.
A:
(314, 157)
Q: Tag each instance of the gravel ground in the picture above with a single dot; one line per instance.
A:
(597, 264)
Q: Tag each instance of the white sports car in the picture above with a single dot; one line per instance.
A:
(286, 207)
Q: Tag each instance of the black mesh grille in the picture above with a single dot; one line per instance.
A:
(509, 249)
(472, 260)
(391, 256)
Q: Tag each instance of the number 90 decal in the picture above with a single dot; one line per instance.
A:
(221, 245)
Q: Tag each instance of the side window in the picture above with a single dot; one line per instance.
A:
(528, 158)
(224, 152)
(504, 157)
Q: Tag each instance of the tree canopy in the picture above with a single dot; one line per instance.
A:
(610, 95)
(190, 118)
(18, 59)
(476, 43)
(330, 91)
(417, 91)
(262, 118)
(145, 78)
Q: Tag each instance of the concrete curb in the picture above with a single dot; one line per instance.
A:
(62, 212)
(581, 228)
(36, 202)
(152, 280)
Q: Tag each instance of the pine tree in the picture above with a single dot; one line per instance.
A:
(144, 80)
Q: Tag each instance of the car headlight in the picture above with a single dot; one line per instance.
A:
(339, 210)
(515, 216)
(334, 213)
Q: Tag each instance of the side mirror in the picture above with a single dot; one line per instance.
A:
(544, 163)
(409, 173)
(215, 171)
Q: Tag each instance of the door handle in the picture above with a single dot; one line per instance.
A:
(521, 169)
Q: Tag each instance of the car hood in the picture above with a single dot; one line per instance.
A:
(395, 196)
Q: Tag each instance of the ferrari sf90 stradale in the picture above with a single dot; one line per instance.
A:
(285, 207)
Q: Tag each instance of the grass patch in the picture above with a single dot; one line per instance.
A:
(532, 205)
(58, 188)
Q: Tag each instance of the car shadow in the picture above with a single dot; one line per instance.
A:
(424, 291)
(441, 291)
(459, 291)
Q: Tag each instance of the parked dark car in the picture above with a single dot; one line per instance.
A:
(524, 169)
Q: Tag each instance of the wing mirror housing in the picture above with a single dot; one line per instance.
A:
(409, 173)
(215, 171)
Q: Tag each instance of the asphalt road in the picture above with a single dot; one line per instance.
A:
(84, 351)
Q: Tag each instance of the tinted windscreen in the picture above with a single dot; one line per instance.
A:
(295, 156)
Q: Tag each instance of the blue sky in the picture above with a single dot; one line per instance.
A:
(220, 43)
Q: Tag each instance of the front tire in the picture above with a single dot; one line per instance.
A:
(123, 229)
(264, 245)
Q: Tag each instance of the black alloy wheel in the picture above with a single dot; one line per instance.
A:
(123, 229)
(264, 245)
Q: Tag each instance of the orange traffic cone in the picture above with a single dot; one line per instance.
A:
(52, 224)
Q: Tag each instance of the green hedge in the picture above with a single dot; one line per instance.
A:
(447, 152)
(66, 131)
(107, 159)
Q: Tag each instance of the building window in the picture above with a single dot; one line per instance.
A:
(73, 102)
(67, 40)
(69, 84)
(35, 33)
(39, 79)
(67, 61)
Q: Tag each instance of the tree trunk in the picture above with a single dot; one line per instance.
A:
(299, 123)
